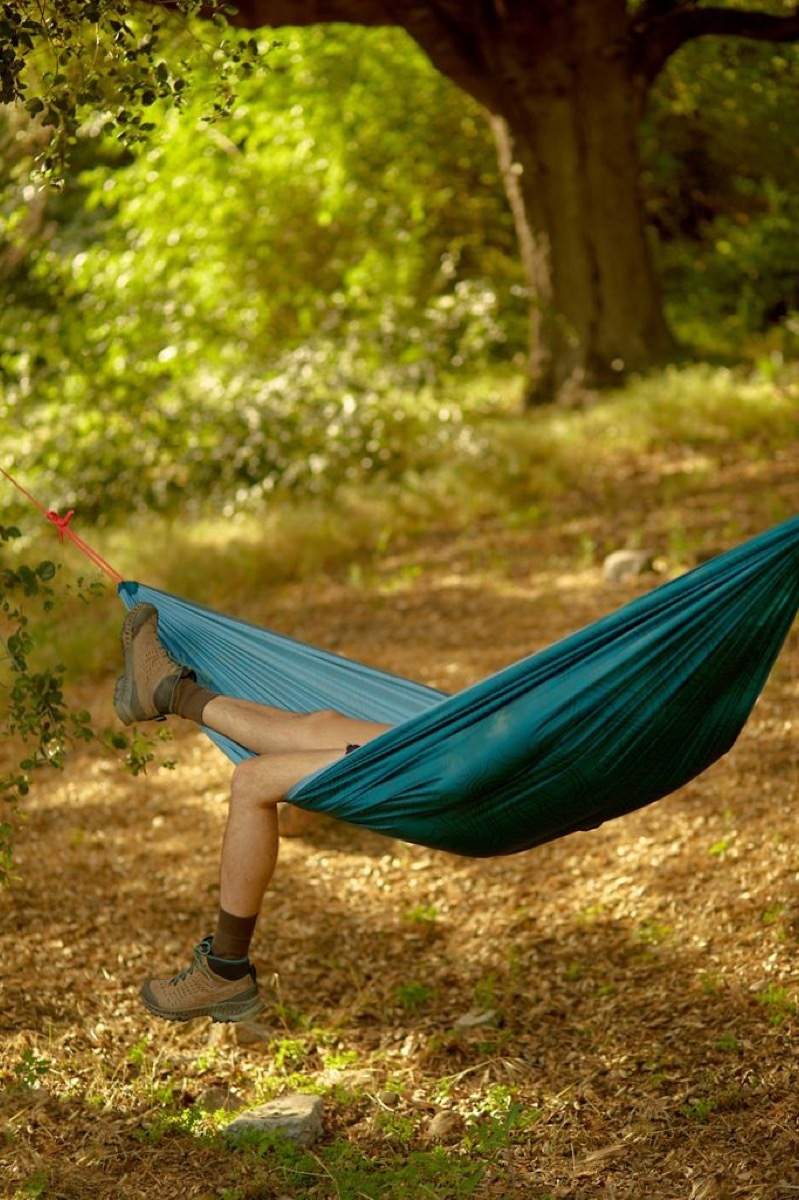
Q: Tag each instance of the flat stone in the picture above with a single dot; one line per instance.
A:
(445, 1127)
(626, 564)
(297, 1116)
(476, 1018)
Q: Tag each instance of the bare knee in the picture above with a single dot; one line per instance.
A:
(251, 785)
(321, 718)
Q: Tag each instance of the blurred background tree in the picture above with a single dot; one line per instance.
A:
(721, 168)
(283, 267)
(264, 299)
(566, 82)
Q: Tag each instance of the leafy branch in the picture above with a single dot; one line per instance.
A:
(35, 716)
(91, 62)
(36, 726)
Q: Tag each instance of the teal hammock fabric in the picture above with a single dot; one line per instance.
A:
(607, 720)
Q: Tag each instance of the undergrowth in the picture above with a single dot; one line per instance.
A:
(628, 999)
(530, 466)
(552, 465)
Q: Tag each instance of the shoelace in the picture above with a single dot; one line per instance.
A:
(153, 653)
(201, 951)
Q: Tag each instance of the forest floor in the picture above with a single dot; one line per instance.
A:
(609, 1016)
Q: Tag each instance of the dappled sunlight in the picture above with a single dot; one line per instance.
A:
(300, 336)
(635, 986)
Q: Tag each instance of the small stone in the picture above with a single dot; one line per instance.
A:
(476, 1018)
(627, 564)
(445, 1127)
(298, 1117)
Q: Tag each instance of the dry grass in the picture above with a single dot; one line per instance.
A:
(643, 978)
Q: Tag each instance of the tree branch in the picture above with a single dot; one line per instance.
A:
(253, 14)
(447, 34)
(649, 11)
(450, 38)
(662, 26)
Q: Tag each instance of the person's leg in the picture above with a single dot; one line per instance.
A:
(250, 843)
(267, 730)
(219, 984)
(154, 685)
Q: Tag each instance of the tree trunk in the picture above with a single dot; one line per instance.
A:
(557, 77)
(566, 134)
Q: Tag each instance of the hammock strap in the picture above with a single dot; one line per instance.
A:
(64, 530)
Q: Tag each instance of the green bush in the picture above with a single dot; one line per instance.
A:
(233, 308)
(720, 185)
(37, 728)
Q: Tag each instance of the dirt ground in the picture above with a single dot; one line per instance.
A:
(633, 989)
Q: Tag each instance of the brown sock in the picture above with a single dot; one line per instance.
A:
(189, 699)
(233, 935)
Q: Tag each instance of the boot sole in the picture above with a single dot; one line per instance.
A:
(126, 699)
(243, 1008)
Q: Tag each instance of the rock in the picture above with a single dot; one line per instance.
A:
(297, 1116)
(476, 1018)
(626, 564)
(445, 1127)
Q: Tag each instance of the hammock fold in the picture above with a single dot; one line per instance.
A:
(605, 721)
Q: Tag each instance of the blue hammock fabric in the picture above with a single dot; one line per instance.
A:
(605, 721)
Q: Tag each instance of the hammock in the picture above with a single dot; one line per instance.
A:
(607, 720)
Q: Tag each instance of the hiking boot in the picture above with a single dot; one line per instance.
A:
(200, 992)
(145, 691)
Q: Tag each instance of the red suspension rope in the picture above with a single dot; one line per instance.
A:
(64, 530)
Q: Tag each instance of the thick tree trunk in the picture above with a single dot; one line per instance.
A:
(558, 78)
(566, 134)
